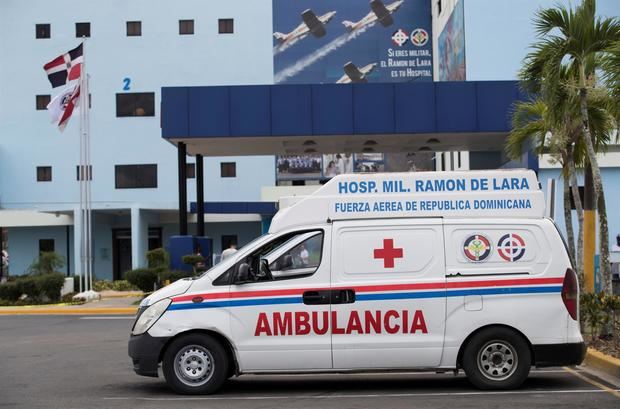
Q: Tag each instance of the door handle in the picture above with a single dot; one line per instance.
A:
(316, 297)
(343, 296)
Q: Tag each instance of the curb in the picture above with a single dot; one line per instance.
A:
(603, 362)
(70, 311)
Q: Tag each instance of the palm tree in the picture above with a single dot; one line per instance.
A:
(557, 130)
(532, 125)
(575, 38)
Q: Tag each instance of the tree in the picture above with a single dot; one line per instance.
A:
(575, 38)
(532, 125)
(46, 263)
(556, 130)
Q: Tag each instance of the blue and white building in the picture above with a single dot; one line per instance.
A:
(138, 50)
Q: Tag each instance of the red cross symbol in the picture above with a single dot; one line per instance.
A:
(388, 253)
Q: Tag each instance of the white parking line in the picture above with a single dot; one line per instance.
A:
(111, 317)
(362, 396)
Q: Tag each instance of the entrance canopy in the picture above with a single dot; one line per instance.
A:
(328, 118)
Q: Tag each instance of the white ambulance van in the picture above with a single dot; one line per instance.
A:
(375, 272)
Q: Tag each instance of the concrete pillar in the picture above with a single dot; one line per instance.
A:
(182, 162)
(139, 238)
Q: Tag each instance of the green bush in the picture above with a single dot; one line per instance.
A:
(175, 275)
(46, 263)
(143, 278)
(123, 285)
(39, 288)
(10, 291)
(597, 312)
(49, 285)
(158, 258)
(102, 285)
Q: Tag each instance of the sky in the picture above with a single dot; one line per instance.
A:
(498, 34)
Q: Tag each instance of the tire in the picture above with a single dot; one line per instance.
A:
(497, 358)
(195, 364)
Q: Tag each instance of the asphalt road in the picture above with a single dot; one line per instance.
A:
(80, 362)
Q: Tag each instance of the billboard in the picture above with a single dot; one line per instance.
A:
(451, 47)
(323, 167)
(351, 41)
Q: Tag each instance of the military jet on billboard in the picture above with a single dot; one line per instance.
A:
(354, 74)
(311, 24)
(380, 12)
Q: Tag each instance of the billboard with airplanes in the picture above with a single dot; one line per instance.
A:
(352, 41)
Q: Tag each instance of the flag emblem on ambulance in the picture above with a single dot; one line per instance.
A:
(477, 247)
(511, 247)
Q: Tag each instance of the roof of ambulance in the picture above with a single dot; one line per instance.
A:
(511, 193)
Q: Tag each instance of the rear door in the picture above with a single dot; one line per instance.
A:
(388, 293)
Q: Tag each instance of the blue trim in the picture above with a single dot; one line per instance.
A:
(237, 303)
(262, 208)
(374, 297)
(304, 110)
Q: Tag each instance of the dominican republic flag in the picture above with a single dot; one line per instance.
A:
(65, 68)
(61, 107)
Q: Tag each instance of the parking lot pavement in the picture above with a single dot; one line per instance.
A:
(81, 361)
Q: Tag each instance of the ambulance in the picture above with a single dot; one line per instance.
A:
(439, 271)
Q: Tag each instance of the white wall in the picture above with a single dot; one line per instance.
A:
(160, 57)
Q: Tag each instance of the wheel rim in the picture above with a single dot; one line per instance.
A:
(193, 365)
(497, 360)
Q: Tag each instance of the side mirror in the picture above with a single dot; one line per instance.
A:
(243, 274)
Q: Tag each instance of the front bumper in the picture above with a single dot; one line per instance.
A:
(145, 351)
(559, 354)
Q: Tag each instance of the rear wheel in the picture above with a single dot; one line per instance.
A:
(195, 364)
(497, 358)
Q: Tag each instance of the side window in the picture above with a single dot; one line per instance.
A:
(300, 259)
(292, 255)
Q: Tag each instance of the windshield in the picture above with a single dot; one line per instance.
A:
(241, 250)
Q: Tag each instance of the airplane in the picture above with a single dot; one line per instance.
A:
(380, 12)
(354, 74)
(311, 24)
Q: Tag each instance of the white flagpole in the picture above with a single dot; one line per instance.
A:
(87, 170)
(81, 183)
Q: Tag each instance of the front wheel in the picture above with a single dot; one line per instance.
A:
(195, 364)
(497, 358)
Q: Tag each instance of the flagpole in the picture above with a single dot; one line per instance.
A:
(81, 183)
(87, 169)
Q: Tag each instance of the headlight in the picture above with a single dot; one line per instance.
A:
(149, 316)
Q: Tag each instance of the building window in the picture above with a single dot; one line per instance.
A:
(44, 173)
(43, 31)
(228, 169)
(42, 101)
(134, 28)
(82, 30)
(190, 170)
(186, 27)
(46, 246)
(87, 172)
(135, 104)
(135, 176)
(226, 25)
